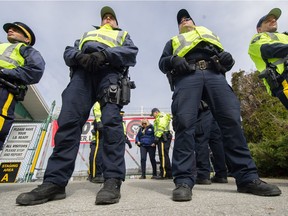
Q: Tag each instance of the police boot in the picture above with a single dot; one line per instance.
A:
(43, 193)
(182, 192)
(110, 193)
(260, 188)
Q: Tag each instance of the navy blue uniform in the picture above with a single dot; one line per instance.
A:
(30, 73)
(84, 89)
(95, 157)
(211, 86)
(202, 136)
(208, 135)
(217, 149)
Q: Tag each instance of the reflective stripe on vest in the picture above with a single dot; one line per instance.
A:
(10, 56)
(255, 50)
(185, 42)
(105, 35)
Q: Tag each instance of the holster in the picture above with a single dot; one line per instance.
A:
(19, 91)
(119, 93)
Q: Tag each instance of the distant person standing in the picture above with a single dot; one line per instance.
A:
(208, 134)
(163, 138)
(96, 148)
(269, 51)
(127, 141)
(99, 64)
(20, 65)
(145, 140)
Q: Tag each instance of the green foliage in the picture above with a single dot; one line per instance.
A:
(271, 156)
(263, 116)
(265, 123)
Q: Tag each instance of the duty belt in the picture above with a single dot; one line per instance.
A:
(201, 65)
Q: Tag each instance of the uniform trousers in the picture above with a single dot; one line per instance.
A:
(217, 149)
(163, 152)
(78, 98)
(213, 88)
(95, 157)
(7, 106)
(202, 136)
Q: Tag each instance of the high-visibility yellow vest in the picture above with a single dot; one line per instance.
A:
(255, 52)
(97, 116)
(161, 124)
(97, 111)
(10, 56)
(185, 42)
(106, 35)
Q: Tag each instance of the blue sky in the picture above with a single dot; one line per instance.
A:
(150, 24)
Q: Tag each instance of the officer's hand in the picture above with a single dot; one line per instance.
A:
(137, 143)
(99, 59)
(156, 140)
(99, 125)
(180, 65)
(128, 143)
(226, 60)
(85, 61)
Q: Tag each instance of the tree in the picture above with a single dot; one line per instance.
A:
(264, 117)
(265, 124)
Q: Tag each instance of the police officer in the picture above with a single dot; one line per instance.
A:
(127, 141)
(269, 51)
(96, 148)
(163, 139)
(20, 65)
(98, 65)
(197, 61)
(208, 138)
(218, 155)
(202, 136)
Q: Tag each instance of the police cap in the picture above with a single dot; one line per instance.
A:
(24, 28)
(183, 13)
(275, 11)
(154, 110)
(108, 10)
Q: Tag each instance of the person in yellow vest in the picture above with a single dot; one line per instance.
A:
(98, 64)
(127, 141)
(20, 65)
(96, 148)
(162, 138)
(196, 61)
(268, 49)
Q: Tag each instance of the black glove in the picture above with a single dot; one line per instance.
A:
(99, 59)
(99, 126)
(165, 138)
(226, 60)
(180, 65)
(128, 142)
(85, 61)
(156, 140)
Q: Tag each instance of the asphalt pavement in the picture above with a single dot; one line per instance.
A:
(148, 197)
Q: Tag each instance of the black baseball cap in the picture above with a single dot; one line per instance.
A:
(183, 13)
(275, 11)
(154, 110)
(24, 28)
